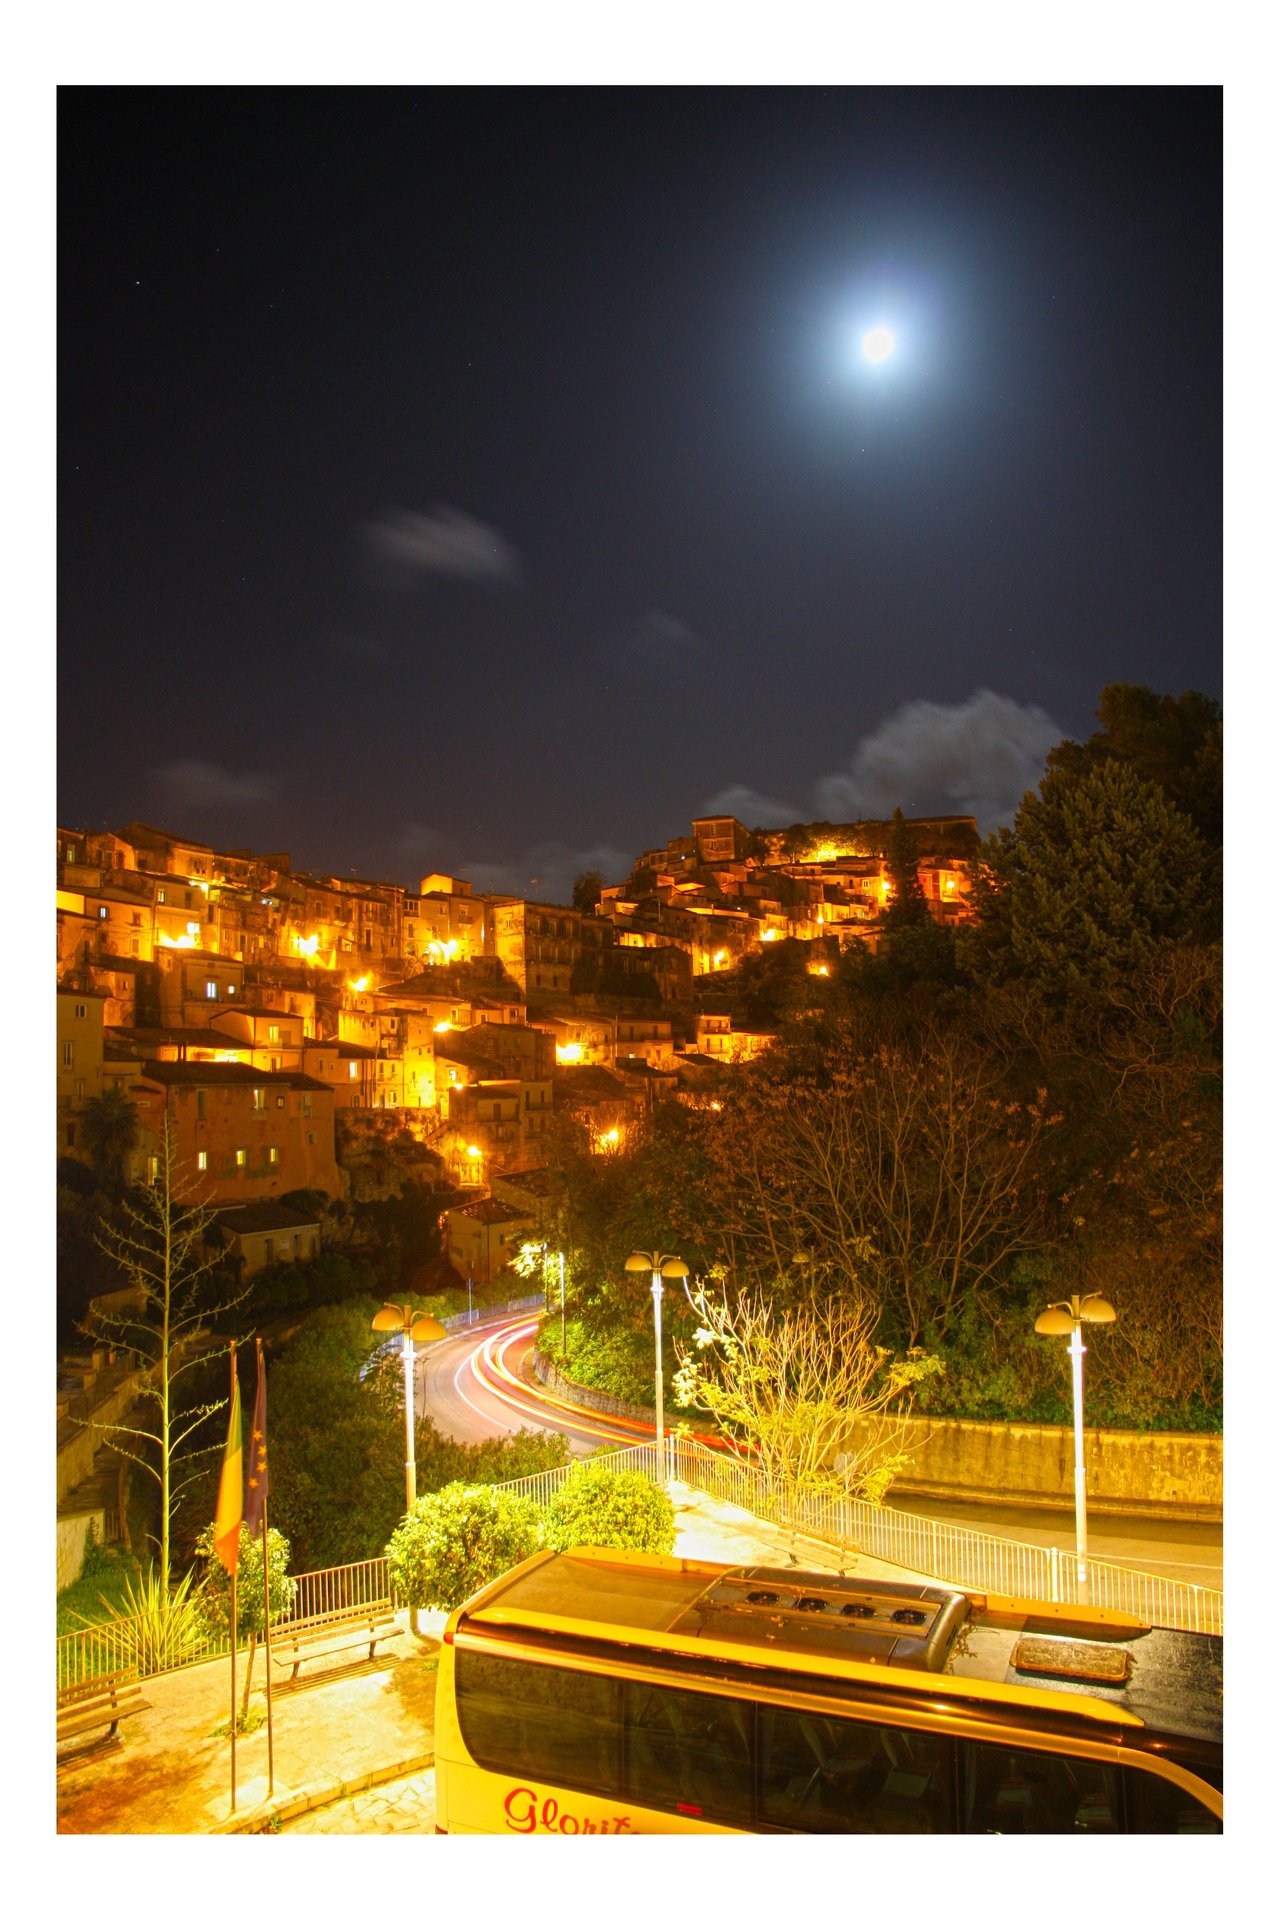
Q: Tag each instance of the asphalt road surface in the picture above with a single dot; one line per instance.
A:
(472, 1386)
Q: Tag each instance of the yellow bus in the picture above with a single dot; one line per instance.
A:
(601, 1692)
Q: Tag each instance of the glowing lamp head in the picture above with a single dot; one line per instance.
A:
(877, 344)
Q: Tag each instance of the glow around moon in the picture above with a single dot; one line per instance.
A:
(877, 344)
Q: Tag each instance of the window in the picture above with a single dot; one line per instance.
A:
(210, 989)
(242, 1155)
(273, 1156)
(352, 1070)
(273, 1036)
(306, 1106)
(268, 1250)
(259, 1100)
(825, 1775)
(68, 1053)
(81, 1010)
(79, 1091)
(202, 1161)
(102, 913)
(311, 1139)
(279, 1099)
(200, 1098)
(135, 919)
(71, 1133)
(161, 896)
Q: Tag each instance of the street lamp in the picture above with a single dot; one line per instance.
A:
(1067, 1317)
(402, 1320)
(663, 1266)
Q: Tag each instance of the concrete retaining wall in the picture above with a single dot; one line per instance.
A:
(1127, 1473)
(998, 1463)
(73, 1532)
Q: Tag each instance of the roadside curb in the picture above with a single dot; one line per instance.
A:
(320, 1793)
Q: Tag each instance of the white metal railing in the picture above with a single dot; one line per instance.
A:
(481, 1314)
(957, 1556)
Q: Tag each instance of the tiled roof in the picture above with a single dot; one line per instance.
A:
(263, 1216)
(225, 1073)
(490, 1213)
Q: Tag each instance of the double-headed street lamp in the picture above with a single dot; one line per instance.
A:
(413, 1327)
(1067, 1317)
(663, 1266)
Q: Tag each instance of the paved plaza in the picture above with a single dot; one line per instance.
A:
(354, 1740)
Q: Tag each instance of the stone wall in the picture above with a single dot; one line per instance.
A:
(1126, 1473)
(73, 1532)
(1155, 1475)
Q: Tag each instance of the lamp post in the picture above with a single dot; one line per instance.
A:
(402, 1320)
(1067, 1317)
(663, 1266)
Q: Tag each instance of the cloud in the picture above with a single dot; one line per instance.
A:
(753, 809)
(978, 757)
(198, 783)
(446, 541)
(422, 848)
(659, 639)
(547, 871)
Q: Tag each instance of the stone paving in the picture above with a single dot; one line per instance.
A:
(354, 1742)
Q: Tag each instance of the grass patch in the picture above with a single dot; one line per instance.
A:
(101, 1587)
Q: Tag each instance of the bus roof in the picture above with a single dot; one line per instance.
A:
(1110, 1667)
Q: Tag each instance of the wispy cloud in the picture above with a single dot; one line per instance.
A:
(198, 783)
(444, 541)
(547, 871)
(660, 638)
(977, 757)
(753, 809)
(427, 849)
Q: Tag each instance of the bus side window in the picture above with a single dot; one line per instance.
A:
(820, 1774)
(545, 1722)
(1158, 1806)
(690, 1752)
(1016, 1790)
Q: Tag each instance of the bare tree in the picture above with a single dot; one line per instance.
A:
(908, 1170)
(161, 1320)
(818, 1405)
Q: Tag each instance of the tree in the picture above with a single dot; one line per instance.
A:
(598, 1507)
(452, 1543)
(214, 1595)
(160, 1242)
(587, 889)
(1174, 743)
(905, 1162)
(109, 1129)
(907, 906)
(1099, 872)
(819, 1406)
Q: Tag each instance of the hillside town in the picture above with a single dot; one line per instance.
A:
(286, 1023)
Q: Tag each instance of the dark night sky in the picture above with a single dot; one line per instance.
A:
(489, 479)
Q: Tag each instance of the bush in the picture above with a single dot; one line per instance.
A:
(451, 1543)
(214, 1595)
(597, 1507)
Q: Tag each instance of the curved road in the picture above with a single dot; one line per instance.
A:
(472, 1385)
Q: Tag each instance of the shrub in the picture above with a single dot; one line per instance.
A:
(597, 1507)
(215, 1593)
(453, 1542)
(154, 1629)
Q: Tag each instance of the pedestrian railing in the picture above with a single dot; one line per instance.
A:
(535, 1302)
(955, 1556)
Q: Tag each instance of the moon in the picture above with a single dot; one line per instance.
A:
(877, 344)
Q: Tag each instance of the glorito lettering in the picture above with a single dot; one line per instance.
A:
(524, 1815)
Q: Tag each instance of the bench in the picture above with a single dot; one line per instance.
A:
(94, 1704)
(309, 1640)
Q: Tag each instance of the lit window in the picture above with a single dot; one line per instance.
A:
(273, 1156)
(352, 1070)
(241, 1156)
(259, 1100)
(210, 989)
(202, 1161)
(273, 1036)
(161, 896)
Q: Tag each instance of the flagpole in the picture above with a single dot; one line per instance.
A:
(266, 1580)
(233, 1690)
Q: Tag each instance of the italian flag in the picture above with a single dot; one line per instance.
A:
(226, 1523)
